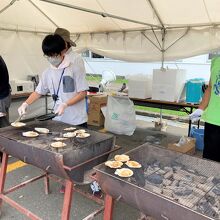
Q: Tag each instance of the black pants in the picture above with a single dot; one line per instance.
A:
(3, 123)
(212, 142)
(84, 125)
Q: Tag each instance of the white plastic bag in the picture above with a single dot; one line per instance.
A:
(120, 115)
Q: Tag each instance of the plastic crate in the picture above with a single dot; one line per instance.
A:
(198, 134)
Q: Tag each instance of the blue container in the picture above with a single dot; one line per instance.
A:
(198, 134)
(194, 91)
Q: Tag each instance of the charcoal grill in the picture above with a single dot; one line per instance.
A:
(169, 185)
(70, 163)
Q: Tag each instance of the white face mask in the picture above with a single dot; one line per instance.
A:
(55, 61)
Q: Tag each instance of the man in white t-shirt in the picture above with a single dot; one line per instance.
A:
(65, 80)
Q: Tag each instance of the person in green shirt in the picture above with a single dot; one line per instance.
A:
(209, 110)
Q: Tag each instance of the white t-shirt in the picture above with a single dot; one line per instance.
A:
(72, 82)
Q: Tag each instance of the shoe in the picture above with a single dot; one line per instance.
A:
(62, 189)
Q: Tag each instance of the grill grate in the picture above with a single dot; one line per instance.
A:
(188, 181)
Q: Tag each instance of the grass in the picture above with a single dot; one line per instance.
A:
(121, 80)
(118, 80)
(157, 110)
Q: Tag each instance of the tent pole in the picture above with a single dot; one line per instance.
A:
(186, 32)
(43, 14)
(163, 45)
(24, 31)
(156, 13)
(7, 6)
(103, 14)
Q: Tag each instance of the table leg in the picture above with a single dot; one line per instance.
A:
(46, 184)
(67, 200)
(108, 211)
(3, 175)
(161, 116)
(190, 122)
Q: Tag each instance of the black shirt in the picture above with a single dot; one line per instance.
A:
(4, 79)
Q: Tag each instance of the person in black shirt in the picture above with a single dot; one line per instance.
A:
(5, 95)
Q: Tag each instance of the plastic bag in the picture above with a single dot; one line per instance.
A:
(120, 115)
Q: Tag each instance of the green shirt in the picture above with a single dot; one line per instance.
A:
(212, 112)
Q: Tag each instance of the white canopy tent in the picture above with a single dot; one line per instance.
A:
(130, 30)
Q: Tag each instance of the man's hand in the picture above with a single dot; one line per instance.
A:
(23, 109)
(196, 115)
(61, 108)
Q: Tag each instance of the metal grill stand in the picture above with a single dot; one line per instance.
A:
(69, 164)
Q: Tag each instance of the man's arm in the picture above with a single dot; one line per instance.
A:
(80, 96)
(77, 98)
(205, 101)
(32, 98)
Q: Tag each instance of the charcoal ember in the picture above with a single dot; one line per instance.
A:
(218, 186)
(150, 170)
(167, 169)
(210, 199)
(210, 179)
(198, 192)
(167, 193)
(216, 191)
(155, 178)
(205, 208)
(168, 175)
(182, 191)
(187, 178)
(183, 184)
(205, 187)
(157, 190)
(167, 182)
(161, 172)
(186, 202)
(216, 180)
(177, 176)
(175, 183)
(200, 179)
(176, 168)
(191, 171)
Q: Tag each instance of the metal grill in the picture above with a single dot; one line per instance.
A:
(184, 187)
(38, 151)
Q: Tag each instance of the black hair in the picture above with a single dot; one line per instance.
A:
(53, 44)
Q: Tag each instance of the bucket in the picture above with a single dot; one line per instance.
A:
(198, 134)
(194, 92)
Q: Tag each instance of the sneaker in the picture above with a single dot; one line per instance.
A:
(95, 187)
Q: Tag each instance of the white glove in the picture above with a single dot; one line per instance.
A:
(23, 109)
(196, 115)
(61, 108)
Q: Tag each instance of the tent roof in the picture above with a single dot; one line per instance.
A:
(29, 14)
(135, 17)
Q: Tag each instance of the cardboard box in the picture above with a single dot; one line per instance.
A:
(187, 148)
(95, 116)
(96, 119)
